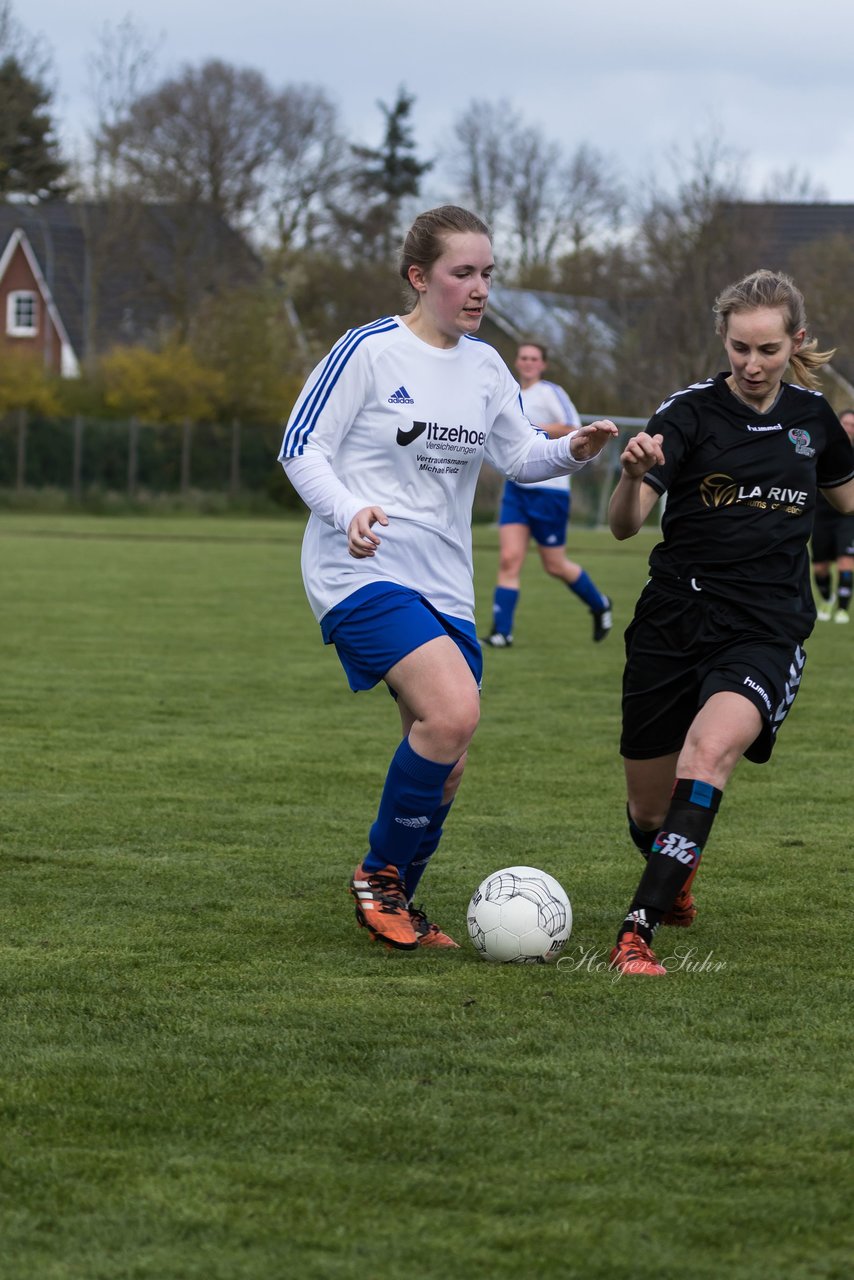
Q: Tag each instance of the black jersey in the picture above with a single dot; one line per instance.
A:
(741, 494)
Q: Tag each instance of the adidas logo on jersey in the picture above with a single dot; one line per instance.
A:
(401, 396)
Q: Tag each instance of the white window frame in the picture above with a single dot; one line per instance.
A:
(17, 330)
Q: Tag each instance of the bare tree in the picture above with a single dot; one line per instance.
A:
(824, 271)
(592, 196)
(537, 218)
(686, 252)
(793, 186)
(540, 202)
(306, 167)
(204, 136)
(559, 204)
(482, 158)
(121, 71)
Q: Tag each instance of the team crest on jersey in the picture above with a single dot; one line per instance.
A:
(801, 440)
(401, 396)
(718, 490)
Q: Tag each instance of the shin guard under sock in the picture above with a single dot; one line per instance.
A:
(411, 795)
(503, 609)
(426, 849)
(675, 853)
(642, 839)
(585, 588)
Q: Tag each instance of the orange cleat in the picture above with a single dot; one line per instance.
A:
(429, 934)
(683, 913)
(381, 907)
(633, 955)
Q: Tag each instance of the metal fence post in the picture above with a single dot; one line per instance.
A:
(133, 455)
(77, 458)
(21, 461)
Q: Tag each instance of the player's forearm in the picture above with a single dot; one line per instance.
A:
(628, 507)
(548, 458)
(321, 490)
(842, 497)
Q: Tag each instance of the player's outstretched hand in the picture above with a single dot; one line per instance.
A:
(590, 440)
(361, 542)
(642, 453)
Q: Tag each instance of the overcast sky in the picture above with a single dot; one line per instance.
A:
(773, 78)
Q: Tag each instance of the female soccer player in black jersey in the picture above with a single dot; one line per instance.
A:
(714, 653)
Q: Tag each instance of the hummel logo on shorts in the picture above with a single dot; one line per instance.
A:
(401, 396)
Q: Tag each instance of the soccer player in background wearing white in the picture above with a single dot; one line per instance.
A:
(388, 435)
(833, 543)
(714, 653)
(540, 510)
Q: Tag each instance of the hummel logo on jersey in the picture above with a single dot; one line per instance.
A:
(406, 437)
(676, 846)
(414, 822)
(401, 396)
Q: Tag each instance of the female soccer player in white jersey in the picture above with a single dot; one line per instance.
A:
(389, 434)
(714, 653)
(540, 510)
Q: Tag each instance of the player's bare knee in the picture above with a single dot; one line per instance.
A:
(454, 779)
(648, 817)
(555, 570)
(451, 727)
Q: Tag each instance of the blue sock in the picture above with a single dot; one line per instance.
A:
(503, 607)
(586, 589)
(426, 849)
(411, 795)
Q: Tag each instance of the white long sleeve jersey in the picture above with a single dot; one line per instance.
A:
(387, 420)
(544, 403)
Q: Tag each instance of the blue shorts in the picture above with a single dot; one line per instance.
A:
(544, 511)
(381, 623)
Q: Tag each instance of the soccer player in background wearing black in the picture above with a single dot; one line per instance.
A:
(833, 543)
(714, 653)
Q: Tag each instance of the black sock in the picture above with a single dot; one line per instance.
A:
(643, 839)
(822, 585)
(843, 589)
(675, 854)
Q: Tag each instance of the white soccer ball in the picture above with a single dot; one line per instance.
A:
(519, 915)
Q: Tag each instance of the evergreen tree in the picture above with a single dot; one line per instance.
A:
(30, 163)
(380, 180)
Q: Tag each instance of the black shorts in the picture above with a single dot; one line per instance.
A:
(832, 536)
(680, 649)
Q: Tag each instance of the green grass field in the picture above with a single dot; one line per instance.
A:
(207, 1071)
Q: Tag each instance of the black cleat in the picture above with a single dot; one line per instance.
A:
(603, 620)
(498, 641)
